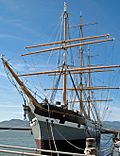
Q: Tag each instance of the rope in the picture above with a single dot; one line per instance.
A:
(68, 141)
(51, 124)
(48, 135)
(76, 92)
(53, 138)
(10, 78)
(56, 86)
(14, 84)
(52, 130)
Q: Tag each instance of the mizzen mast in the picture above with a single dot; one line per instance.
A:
(81, 64)
(89, 83)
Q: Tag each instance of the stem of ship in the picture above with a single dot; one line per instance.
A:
(64, 55)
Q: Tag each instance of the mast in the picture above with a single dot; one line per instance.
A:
(81, 62)
(64, 55)
(89, 83)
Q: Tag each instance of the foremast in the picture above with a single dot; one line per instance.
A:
(64, 57)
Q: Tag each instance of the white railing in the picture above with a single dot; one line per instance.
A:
(90, 150)
(32, 151)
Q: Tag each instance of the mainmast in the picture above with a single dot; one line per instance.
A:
(64, 55)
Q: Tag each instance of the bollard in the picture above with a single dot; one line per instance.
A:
(91, 147)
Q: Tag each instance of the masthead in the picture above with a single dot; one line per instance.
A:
(65, 6)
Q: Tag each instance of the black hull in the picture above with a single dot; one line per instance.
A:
(75, 146)
(61, 137)
(50, 134)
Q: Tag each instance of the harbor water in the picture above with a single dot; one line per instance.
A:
(16, 138)
(25, 138)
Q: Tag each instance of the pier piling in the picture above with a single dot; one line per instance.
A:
(91, 148)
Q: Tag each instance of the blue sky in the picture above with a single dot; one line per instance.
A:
(28, 22)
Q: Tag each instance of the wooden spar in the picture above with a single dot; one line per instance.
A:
(26, 91)
(84, 72)
(93, 71)
(21, 84)
(71, 70)
(91, 101)
(67, 41)
(85, 88)
(69, 46)
(79, 25)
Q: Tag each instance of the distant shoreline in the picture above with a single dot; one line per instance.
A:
(25, 124)
(14, 123)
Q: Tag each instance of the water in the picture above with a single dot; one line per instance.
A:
(16, 138)
(25, 138)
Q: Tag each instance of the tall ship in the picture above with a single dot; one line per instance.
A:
(67, 112)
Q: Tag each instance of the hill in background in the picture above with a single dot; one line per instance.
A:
(22, 123)
(112, 124)
(14, 123)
